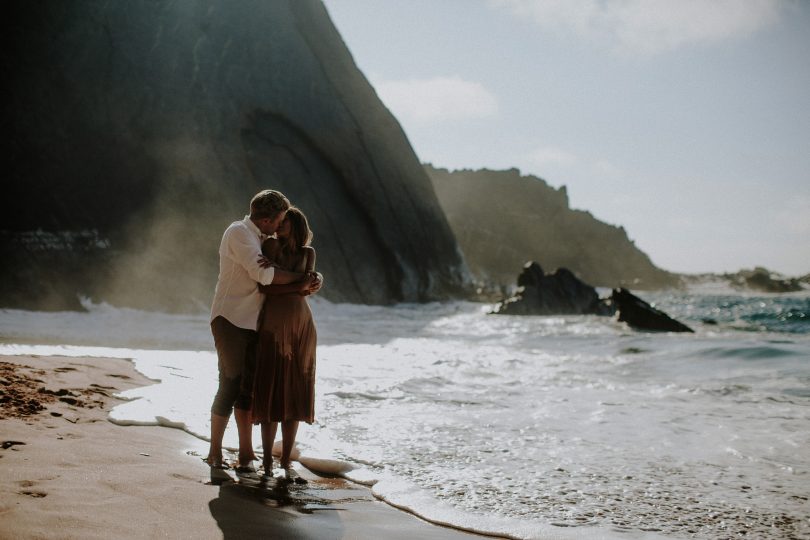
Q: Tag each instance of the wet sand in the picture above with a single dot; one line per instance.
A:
(67, 472)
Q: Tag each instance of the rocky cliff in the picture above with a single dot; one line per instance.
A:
(137, 131)
(502, 219)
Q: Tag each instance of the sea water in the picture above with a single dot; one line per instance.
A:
(528, 427)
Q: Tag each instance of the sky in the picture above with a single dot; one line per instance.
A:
(686, 122)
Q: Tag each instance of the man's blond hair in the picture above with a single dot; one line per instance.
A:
(268, 204)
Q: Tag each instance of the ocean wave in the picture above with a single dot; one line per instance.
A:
(797, 392)
(727, 390)
(364, 395)
(761, 352)
(790, 320)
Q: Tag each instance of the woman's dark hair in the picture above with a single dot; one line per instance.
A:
(300, 233)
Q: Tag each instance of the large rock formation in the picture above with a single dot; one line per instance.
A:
(558, 293)
(137, 131)
(502, 219)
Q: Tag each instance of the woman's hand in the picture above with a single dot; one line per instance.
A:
(264, 262)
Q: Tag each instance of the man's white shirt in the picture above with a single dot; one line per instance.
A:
(237, 296)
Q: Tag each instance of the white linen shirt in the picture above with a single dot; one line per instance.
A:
(237, 296)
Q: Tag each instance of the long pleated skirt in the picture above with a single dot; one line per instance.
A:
(284, 385)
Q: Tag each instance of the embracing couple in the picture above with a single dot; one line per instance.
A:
(263, 330)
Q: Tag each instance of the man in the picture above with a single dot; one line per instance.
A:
(235, 314)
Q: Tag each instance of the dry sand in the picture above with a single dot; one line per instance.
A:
(67, 472)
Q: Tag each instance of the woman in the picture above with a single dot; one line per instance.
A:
(284, 386)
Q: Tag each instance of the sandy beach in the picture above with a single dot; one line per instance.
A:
(67, 472)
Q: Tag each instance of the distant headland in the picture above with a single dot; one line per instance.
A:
(501, 219)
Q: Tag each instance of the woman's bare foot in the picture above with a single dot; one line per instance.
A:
(245, 459)
(291, 476)
(215, 462)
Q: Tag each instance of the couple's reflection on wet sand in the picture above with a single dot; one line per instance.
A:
(326, 507)
(253, 506)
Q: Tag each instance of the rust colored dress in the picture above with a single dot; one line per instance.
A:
(284, 386)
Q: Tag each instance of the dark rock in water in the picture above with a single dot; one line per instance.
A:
(560, 293)
(641, 315)
(137, 131)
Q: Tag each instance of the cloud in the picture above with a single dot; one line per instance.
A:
(426, 101)
(649, 27)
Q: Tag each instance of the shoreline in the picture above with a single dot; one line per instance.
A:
(67, 468)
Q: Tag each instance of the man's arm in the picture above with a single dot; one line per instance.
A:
(309, 283)
(247, 253)
(317, 283)
(298, 287)
(317, 280)
(283, 277)
(280, 290)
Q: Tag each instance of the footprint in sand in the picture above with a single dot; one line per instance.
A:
(8, 444)
(64, 368)
(35, 494)
(30, 492)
